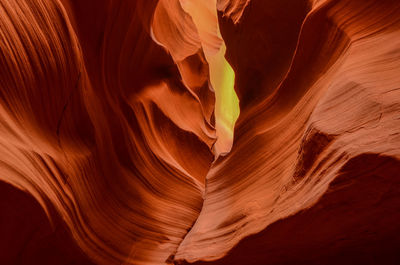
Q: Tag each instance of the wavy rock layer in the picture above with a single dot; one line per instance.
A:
(121, 119)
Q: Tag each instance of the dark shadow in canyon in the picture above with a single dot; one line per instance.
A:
(355, 222)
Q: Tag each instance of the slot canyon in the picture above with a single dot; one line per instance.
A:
(199, 132)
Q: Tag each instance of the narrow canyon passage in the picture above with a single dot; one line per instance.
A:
(199, 132)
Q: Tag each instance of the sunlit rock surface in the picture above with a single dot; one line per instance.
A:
(206, 132)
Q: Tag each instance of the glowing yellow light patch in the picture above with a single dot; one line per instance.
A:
(222, 78)
(201, 32)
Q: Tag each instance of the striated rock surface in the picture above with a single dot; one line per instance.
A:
(206, 132)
